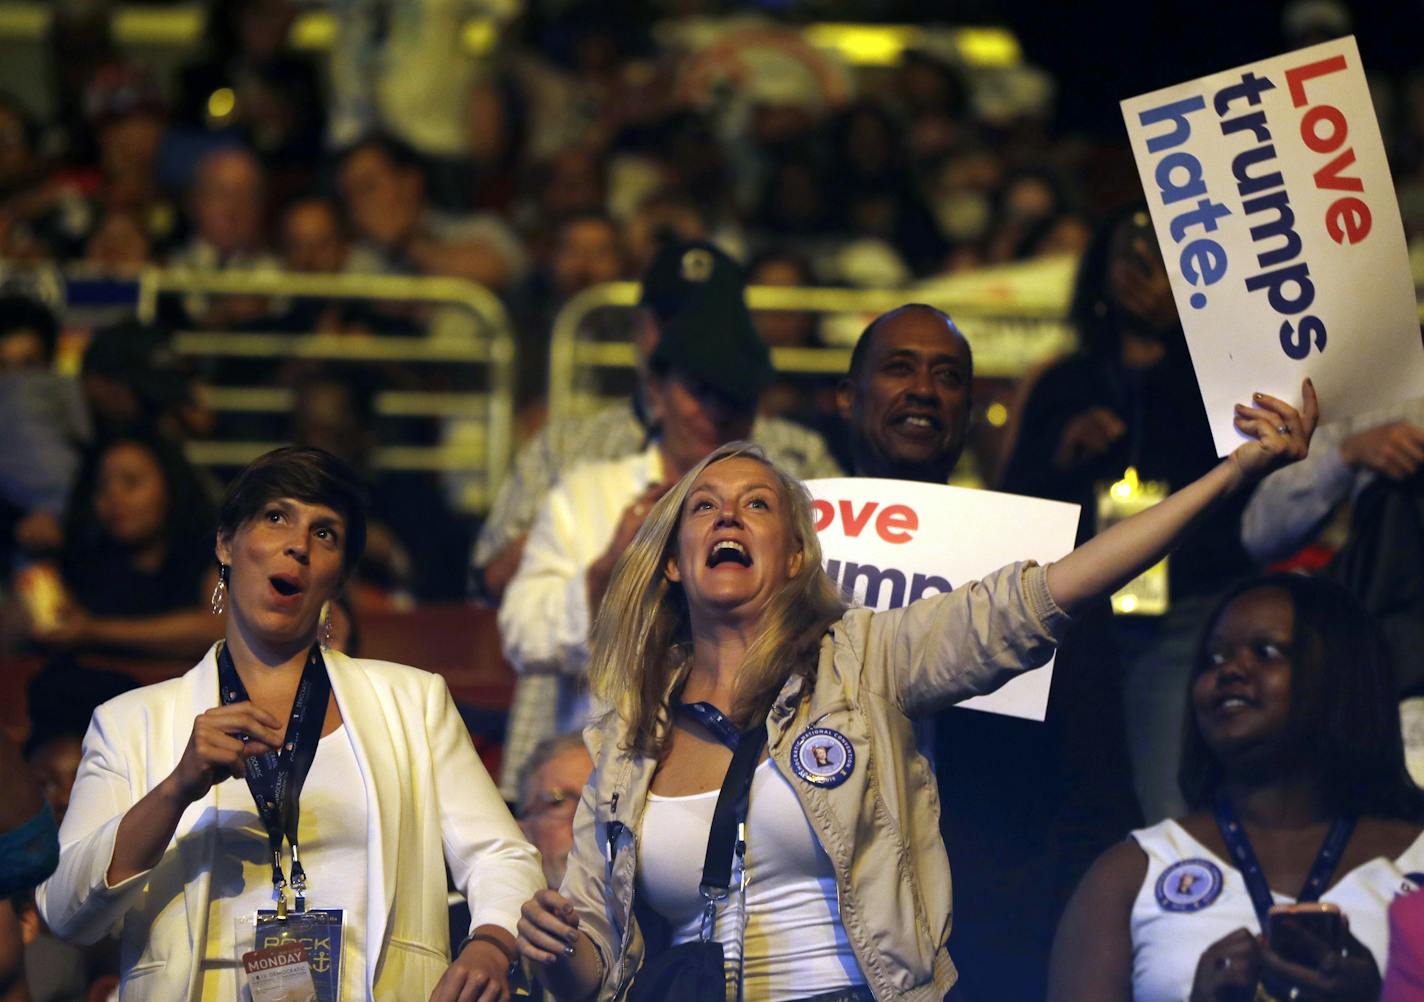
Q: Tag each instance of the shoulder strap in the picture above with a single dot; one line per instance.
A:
(731, 810)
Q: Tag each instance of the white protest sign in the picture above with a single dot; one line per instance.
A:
(889, 542)
(1277, 219)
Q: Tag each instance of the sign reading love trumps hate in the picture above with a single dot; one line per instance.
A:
(1274, 208)
(887, 543)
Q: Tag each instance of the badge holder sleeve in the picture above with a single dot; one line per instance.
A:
(320, 931)
(1148, 593)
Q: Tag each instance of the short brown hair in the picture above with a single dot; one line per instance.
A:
(313, 476)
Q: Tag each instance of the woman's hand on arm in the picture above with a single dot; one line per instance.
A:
(481, 972)
(1092, 951)
(215, 751)
(565, 960)
(1279, 435)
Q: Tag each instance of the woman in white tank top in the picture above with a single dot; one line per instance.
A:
(1293, 765)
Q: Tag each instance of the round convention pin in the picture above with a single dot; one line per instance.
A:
(823, 757)
(1189, 885)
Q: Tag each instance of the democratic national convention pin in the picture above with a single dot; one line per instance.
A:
(1189, 885)
(823, 757)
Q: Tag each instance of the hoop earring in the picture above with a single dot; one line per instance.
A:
(219, 600)
(326, 627)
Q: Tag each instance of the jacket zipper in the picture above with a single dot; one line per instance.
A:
(615, 829)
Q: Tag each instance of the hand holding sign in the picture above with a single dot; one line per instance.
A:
(1279, 433)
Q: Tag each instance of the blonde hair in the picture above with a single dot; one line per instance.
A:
(641, 639)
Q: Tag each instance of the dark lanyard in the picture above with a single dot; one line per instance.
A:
(275, 778)
(713, 719)
(1239, 845)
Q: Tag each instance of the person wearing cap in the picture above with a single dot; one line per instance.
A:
(621, 430)
(703, 377)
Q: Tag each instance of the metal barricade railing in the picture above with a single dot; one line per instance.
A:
(1007, 341)
(476, 417)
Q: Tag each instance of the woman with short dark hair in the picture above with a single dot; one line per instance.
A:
(1293, 770)
(276, 769)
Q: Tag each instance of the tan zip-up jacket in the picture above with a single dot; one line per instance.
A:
(880, 827)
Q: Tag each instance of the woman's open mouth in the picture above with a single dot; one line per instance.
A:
(286, 586)
(728, 551)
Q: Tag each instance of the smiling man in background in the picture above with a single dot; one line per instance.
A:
(907, 396)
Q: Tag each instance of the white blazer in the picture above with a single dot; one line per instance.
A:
(430, 801)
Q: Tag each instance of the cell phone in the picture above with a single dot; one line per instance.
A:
(1316, 921)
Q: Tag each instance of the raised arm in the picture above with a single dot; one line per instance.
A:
(1279, 435)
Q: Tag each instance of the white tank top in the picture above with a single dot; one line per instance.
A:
(333, 840)
(795, 943)
(1206, 899)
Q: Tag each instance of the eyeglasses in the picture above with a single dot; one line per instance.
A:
(547, 803)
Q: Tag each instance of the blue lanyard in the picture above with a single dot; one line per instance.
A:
(275, 779)
(1239, 845)
(714, 720)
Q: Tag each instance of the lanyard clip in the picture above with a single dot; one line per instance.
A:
(299, 880)
(279, 885)
(742, 862)
(711, 895)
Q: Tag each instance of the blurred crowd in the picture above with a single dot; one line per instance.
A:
(562, 158)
